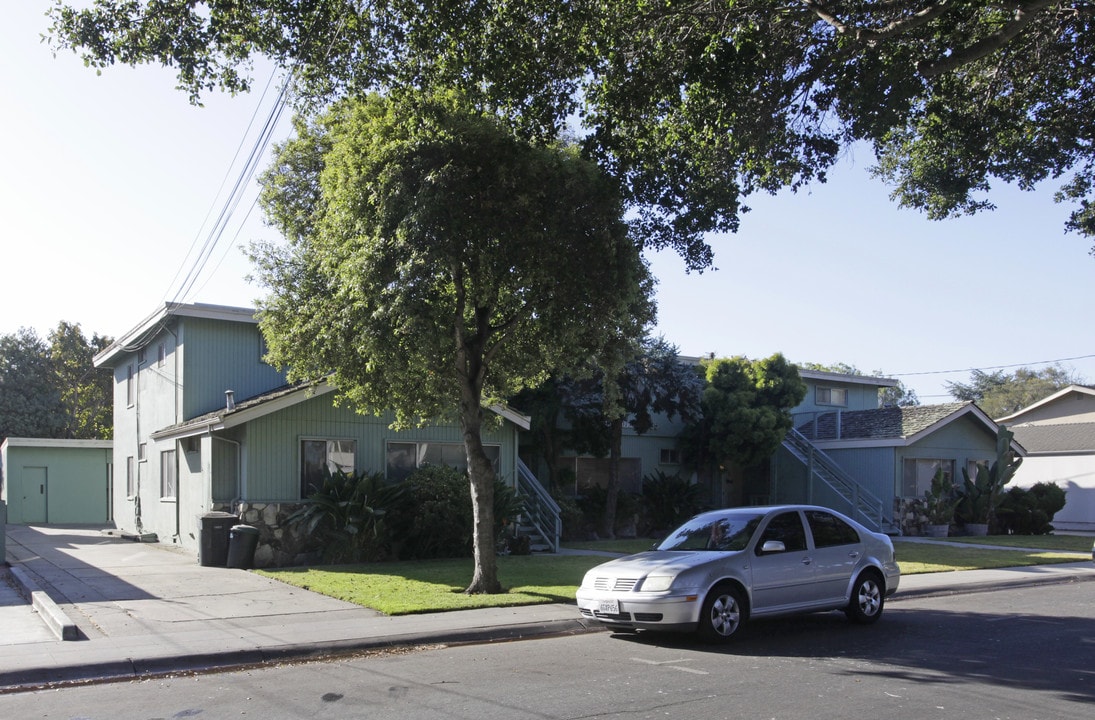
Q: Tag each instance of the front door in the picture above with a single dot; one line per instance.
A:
(35, 489)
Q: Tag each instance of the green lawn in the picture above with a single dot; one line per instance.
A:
(404, 588)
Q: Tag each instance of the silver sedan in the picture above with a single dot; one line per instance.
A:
(725, 566)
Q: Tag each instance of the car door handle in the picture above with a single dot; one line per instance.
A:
(854, 554)
(807, 560)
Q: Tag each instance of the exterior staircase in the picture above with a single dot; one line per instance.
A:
(540, 522)
(861, 504)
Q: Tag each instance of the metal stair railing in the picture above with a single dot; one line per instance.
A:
(865, 507)
(541, 513)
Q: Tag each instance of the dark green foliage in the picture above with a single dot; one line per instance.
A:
(592, 503)
(746, 411)
(51, 388)
(694, 106)
(362, 518)
(572, 518)
(436, 520)
(1024, 511)
(347, 515)
(668, 500)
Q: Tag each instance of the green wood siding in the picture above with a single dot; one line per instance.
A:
(272, 447)
(963, 441)
(220, 356)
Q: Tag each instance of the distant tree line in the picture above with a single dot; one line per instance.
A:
(50, 388)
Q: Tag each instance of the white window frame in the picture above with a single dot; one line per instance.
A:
(169, 480)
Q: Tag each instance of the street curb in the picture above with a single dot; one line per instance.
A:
(967, 588)
(55, 618)
(142, 668)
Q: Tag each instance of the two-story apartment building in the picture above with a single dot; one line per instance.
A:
(203, 424)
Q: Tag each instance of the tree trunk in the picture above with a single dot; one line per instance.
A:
(481, 476)
(612, 491)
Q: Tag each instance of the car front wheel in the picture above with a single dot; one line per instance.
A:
(868, 597)
(723, 613)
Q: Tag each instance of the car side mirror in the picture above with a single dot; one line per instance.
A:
(772, 546)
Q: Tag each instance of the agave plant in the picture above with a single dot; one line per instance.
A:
(347, 514)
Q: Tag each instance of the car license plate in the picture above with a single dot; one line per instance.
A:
(609, 607)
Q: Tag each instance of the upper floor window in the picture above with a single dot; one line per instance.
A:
(670, 456)
(130, 390)
(317, 456)
(161, 354)
(831, 396)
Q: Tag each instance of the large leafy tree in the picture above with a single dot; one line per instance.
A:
(1000, 393)
(746, 411)
(436, 264)
(30, 404)
(694, 104)
(86, 392)
(51, 389)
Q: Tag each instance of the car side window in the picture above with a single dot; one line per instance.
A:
(829, 530)
(786, 528)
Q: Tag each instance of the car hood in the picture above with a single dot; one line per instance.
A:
(659, 562)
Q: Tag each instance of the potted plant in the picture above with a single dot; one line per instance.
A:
(984, 491)
(939, 505)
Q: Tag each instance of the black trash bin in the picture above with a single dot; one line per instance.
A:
(213, 545)
(242, 541)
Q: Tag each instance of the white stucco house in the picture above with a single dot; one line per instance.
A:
(1058, 434)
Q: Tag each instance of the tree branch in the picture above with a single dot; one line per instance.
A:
(1024, 15)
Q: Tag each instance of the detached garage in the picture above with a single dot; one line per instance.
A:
(60, 482)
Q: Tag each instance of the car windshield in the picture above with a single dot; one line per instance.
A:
(713, 532)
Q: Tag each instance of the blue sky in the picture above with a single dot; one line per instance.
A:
(108, 182)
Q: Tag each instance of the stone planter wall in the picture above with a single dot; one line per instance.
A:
(280, 544)
(911, 516)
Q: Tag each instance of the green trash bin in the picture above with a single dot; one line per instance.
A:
(242, 541)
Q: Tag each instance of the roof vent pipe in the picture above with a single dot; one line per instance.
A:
(230, 399)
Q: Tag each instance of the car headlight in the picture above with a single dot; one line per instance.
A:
(657, 583)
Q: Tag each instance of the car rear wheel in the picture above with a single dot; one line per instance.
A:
(868, 597)
(723, 613)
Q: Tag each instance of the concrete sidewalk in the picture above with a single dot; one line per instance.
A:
(139, 609)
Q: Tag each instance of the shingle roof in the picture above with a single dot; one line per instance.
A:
(880, 424)
(1061, 438)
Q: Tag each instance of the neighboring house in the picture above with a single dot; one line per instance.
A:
(58, 482)
(845, 452)
(1058, 434)
(203, 424)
